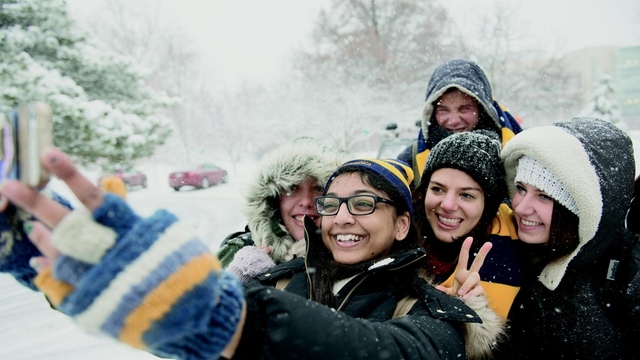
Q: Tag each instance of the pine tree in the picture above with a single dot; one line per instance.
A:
(603, 104)
(103, 110)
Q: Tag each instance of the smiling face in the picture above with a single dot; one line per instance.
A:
(354, 239)
(533, 209)
(454, 203)
(297, 203)
(456, 111)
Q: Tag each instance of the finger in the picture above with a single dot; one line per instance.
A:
(4, 202)
(446, 290)
(39, 263)
(482, 255)
(463, 258)
(43, 208)
(476, 291)
(58, 163)
(472, 281)
(40, 236)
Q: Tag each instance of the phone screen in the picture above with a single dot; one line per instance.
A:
(9, 168)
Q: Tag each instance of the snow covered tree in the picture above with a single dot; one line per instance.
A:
(539, 87)
(603, 104)
(103, 112)
(388, 42)
(368, 63)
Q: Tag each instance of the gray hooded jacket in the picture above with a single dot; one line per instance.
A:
(467, 77)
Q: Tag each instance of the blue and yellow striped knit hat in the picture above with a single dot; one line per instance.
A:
(396, 172)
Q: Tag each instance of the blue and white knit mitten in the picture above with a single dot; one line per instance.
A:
(145, 282)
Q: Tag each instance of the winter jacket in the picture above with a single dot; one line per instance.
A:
(576, 306)
(501, 273)
(278, 171)
(150, 284)
(470, 79)
(364, 325)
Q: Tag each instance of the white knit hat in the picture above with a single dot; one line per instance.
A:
(531, 172)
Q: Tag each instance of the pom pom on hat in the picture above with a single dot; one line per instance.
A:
(396, 172)
(531, 172)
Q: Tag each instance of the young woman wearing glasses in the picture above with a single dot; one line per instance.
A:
(461, 195)
(356, 294)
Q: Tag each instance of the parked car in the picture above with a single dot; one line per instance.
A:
(201, 176)
(391, 148)
(130, 178)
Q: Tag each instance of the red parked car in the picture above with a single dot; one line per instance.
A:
(201, 177)
(130, 177)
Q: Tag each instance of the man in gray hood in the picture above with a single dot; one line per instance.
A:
(459, 99)
(287, 180)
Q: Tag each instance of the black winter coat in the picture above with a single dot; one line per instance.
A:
(279, 322)
(578, 306)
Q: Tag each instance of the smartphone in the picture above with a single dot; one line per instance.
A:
(26, 131)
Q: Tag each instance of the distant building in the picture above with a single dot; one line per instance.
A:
(628, 84)
(623, 64)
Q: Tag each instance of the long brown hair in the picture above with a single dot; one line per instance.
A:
(563, 232)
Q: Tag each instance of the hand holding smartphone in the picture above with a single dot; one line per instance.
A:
(26, 131)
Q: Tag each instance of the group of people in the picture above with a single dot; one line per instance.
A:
(482, 240)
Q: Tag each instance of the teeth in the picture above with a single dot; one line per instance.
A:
(530, 223)
(449, 221)
(300, 217)
(348, 238)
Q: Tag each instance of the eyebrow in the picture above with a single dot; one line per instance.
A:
(462, 189)
(357, 192)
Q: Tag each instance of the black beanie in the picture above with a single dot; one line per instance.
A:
(477, 153)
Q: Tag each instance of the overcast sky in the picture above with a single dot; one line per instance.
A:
(249, 38)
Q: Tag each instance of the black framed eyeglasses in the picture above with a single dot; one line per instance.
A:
(357, 204)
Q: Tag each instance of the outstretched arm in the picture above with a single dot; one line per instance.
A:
(146, 282)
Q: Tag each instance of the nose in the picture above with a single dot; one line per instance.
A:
(306, 199)
(522, 204)
(343, 216)
(454, 118)
(449, 202)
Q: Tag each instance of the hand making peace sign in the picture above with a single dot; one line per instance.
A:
(466, 283)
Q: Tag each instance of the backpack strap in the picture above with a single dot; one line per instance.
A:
(404, 305)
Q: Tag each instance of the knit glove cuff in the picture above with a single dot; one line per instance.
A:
(150, 284)
(249, 262)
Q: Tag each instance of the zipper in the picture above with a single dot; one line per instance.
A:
(348, 296)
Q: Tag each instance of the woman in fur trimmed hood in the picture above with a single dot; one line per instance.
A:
(287, 180)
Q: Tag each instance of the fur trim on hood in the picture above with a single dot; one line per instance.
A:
(278, 171)
(467, 77)
(481, 338)
(594, 161)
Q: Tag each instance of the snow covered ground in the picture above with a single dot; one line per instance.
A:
(30, 330)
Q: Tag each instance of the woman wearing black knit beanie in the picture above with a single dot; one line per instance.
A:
(462, 194)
